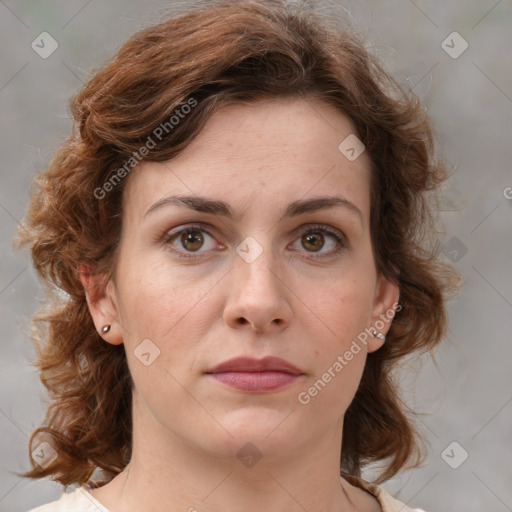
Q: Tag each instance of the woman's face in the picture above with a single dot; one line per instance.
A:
(249, 265)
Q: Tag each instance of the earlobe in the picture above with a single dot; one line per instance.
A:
(374, 343)
(378, 334)
(102, 304)
(387, 294)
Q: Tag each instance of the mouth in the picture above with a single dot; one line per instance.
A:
(256, 375)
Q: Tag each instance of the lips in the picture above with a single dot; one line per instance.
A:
(247, 364)
(256, 375)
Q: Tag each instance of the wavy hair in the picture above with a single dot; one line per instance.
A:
(215, 54)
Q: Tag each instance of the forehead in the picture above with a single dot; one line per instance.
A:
(273, 150)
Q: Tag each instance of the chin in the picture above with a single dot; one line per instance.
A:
(269, 429)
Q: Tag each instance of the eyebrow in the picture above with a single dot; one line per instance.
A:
(295, 208)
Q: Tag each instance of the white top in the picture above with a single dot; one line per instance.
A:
(81, 500)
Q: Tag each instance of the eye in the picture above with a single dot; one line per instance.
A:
(314, 240)
(190, 239)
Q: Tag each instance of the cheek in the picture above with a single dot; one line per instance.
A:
(170, 307)
(345, 311)
(338, 353)
(161, 312)
(156, 295)
(327, 396)
(344, 307)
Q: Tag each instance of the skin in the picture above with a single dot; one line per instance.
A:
(199, 312)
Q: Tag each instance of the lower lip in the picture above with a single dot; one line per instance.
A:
(256, 381)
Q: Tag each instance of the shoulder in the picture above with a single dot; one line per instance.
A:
(386, 501)
(79, 500)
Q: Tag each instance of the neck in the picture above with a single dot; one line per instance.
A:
(167, 474)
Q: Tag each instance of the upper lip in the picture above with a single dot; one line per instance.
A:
(249, 364)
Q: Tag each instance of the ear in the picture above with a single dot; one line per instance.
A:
(385, 305)
(102, 302)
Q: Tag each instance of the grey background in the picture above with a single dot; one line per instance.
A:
(467, 397)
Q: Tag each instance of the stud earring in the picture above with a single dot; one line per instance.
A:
(378, 334)
(105, 329)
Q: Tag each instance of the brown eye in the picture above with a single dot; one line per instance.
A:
(192, 240)
(321, 242)
(313, 241)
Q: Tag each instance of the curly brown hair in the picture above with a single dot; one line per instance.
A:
(222, 53)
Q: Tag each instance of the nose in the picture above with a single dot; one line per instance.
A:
(259, 296)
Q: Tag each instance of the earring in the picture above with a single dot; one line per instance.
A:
(378, 334)
(105, 329)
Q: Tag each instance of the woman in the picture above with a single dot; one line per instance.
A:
(242, 223)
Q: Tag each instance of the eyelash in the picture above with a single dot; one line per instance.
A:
(341, 243)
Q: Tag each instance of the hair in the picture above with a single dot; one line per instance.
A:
(210, 56)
